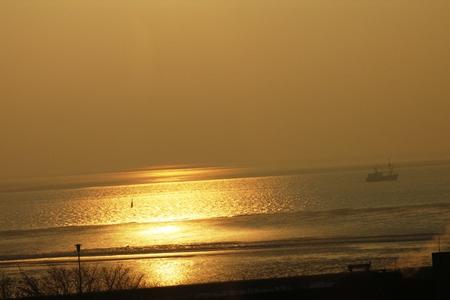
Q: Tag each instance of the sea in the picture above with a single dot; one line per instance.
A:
(244, 227)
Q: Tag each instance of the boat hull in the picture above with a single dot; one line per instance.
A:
(380, 177)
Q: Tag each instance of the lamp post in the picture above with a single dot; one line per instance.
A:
(80, 289)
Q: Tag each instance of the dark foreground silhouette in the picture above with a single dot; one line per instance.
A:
(405, 284)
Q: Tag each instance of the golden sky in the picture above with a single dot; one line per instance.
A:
(89, 86)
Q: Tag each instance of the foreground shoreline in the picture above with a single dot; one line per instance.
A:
(411, 283)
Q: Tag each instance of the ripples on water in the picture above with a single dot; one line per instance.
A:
(172, 201)
(154, 202)
(241, 210)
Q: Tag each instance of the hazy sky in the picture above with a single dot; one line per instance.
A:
(89, 86)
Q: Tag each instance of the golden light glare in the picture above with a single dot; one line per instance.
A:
(168, 233)
(165, 229)
(170, 272)
(179, 174)
(176, 173)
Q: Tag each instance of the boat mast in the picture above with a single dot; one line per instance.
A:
(391, 168)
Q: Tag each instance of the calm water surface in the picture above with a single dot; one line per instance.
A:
(235, 228)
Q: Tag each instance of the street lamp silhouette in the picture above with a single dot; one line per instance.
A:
(80, 289)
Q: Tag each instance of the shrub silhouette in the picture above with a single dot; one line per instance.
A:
(59, 281)
(6, 286)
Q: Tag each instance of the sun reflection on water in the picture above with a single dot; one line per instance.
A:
(180, 174)
(165, 202)
(166, 272)
(158, 231)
